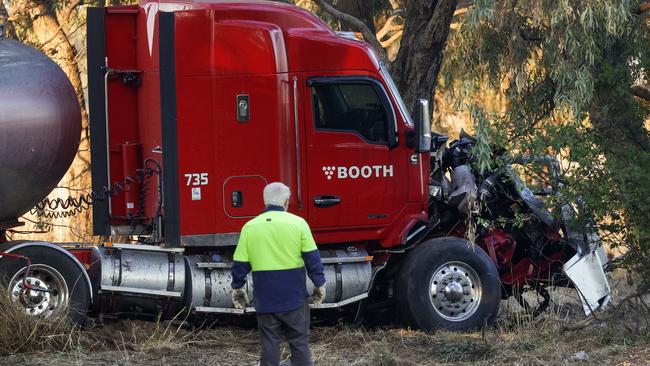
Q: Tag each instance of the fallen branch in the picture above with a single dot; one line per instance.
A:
(635, 301)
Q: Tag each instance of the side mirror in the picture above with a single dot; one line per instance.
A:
(422, 126)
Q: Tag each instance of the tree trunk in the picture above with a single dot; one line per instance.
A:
(6, 27)
(620, 132)
(361, 9)
(613, 111)
(418, 62)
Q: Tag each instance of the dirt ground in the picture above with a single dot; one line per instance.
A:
(562, 336)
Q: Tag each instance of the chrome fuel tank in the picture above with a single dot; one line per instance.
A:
(137, 279)
(40, 126)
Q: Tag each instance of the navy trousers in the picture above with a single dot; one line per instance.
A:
(295, 327)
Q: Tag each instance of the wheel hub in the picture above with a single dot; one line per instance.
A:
(45, 292)
(455, 291)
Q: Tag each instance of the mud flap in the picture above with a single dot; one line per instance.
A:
(587, 275)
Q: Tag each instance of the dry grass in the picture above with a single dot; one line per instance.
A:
(560, 336)
(20, 333)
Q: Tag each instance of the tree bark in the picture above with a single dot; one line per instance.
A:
(360, 9)
(6, 26)
(418, 62)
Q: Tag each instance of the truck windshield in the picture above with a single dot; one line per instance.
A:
(397, 96)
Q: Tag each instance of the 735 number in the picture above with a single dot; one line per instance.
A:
(197, 179)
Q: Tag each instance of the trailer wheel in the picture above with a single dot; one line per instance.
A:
(449, 285)
(64, 288)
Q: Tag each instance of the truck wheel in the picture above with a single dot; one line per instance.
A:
(449, 285)
(66, 290)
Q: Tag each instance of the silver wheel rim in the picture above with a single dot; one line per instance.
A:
(50, 296)
(455, 291)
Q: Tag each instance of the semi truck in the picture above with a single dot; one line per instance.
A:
(194, 107)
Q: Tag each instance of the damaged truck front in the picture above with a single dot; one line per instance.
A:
(533, 247)
(196, 106)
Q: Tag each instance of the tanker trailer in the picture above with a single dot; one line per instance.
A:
(40, 125)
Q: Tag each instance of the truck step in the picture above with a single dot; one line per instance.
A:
(213, 265)
(341, 260)
(205, 309)
(143, 247)
(140, 291)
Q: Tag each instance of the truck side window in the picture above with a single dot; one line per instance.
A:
(352, 107)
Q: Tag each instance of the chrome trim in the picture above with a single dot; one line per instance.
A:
(328, 260)
(335, 260)
(108, 147)
(204, 309)
(392, 87)
(143, 247)
(297, 121)
(416, 232)
(214, 265)
(139, 291)
(340, 303)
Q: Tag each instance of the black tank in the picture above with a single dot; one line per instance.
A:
(40, 126)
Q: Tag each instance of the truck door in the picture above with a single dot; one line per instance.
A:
(355, 177)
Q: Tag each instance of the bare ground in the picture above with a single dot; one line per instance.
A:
(562, 336)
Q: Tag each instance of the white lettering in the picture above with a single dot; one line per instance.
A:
(353, 172)
(342, 173)
(196, 179)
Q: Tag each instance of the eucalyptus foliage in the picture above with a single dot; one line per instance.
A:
(567, 67)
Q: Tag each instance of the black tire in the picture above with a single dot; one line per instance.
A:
(459, 274)
(66, 271)
(400, 290)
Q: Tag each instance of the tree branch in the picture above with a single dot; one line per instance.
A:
(641, 91)
(392, 39)
(388, 27)
(67, 10)
(355, 23)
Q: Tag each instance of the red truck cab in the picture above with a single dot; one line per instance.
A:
(228, 96)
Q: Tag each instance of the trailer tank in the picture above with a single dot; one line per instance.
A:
(40, 125)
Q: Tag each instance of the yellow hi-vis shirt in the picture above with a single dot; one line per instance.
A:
(277, 246)
(274, 240)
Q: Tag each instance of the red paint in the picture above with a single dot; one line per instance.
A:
(82, 254)
(256, 48)
(500, 246)
(526, 270)
(519, 273)
(131, 162)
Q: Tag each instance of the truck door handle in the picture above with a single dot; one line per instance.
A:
(326, 201)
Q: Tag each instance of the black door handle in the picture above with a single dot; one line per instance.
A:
(326, 201)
